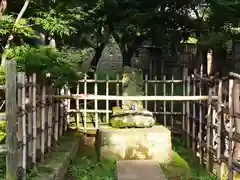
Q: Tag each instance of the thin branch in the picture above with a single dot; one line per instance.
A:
(10, 38)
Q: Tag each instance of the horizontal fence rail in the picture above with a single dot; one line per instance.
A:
(136, 98)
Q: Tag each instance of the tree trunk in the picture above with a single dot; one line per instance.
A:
(128, 53)
(95, 60)
(98, 51)
(219, 63)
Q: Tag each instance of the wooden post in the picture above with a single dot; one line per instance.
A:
(194, 117)
(56, 124)
(164, 102)
(209, 133)
(66, 109)
(43, 99)
(146, 90)
(219, 129)
(96, 101)
(30, 123)
(22, 123)
(34, 116)
(188, 112)
(184, 111)
(172, 94)
(155, 94)
(85, 104)
(50, 119)
(78, 109)
(118, 89)
(11, 118)
(200, 122)
(185, 73)
(61, 113)
(230, 134)
(107, 101)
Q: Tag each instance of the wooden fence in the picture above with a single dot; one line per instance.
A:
(202, 109)
(35, 121)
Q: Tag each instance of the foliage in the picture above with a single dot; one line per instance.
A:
(2, 75)
(86, 166)
(2, 167)
(2, 131)
(184, 165)
(61, 67)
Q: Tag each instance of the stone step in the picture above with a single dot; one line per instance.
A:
(139, 170)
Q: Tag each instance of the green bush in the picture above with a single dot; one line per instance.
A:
(61, 66)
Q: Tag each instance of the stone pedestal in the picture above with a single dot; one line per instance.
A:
(137, 143)
(132, 118)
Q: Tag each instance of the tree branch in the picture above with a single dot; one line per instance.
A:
(10, 38)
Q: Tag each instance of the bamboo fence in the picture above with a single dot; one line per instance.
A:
(35, 121)
(203, 110)
(196, 110)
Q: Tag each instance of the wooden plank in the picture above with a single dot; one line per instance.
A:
(11, 117)
(139, 170)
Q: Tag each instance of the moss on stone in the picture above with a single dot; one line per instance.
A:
(2, 132)
(117, 122)
(177, 168)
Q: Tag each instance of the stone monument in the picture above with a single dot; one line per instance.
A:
(133, 133)
(132, 113)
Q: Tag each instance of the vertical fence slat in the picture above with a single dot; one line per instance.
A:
(85, 104)
(107, 101)
(56, 124)
(200, 123)
(11, 118)
(96, 101)
(43, 99)
(24, 125)
(20, 128)
(146, 90)
(219, 129)
(61, 113)
(66, 110)
(172, 94)
(188, 112)
(155, 93)
(184, 110)
(77, 108)
(30, 122)
(118, 88)
(194, 117)
(230, 134)
(209, 123)
(50, 117)
(68, 107)
(164, 102)
(34, 120)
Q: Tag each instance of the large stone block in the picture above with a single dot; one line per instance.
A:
(132, 118)
(136, 143)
